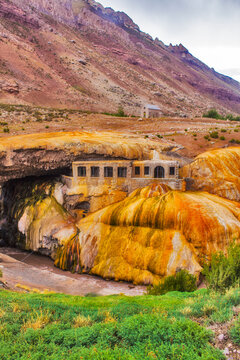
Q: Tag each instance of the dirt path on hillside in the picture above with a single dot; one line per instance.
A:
(26, 270)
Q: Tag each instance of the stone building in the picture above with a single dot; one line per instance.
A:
(150, 111)
(124, 175)
(96, 184)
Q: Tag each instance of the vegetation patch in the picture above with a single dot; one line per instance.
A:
(223, 271)
(57, 326)
(181, 281)
(214, 114)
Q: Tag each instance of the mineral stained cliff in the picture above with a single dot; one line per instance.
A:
(36, 219)
(151, 234)
(40, 154)
(216, 171)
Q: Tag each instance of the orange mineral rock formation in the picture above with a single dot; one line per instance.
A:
(154, 232)
(216, 171)
(38, 154)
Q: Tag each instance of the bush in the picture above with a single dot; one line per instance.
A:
(181, 281)
(120, 112)
(235, 332)
(213, 114)
(6, 130)
(229, 117)
(222, 138)
(206, 137)
(223, 271)
(223, 130)
(214, 134)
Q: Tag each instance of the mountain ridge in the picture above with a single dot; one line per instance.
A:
(78, 54)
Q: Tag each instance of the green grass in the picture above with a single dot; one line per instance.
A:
(56, 326)
(235, 332)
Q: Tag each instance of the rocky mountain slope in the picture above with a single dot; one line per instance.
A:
(78, 54)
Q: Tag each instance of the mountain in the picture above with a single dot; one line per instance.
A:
(78, 54)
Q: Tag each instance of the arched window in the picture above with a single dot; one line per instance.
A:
(159, 172)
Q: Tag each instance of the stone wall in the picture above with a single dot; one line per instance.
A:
(101, 191)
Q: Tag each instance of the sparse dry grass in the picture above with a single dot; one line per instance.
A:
(81, 321)
(36, 321)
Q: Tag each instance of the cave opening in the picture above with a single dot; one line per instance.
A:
(15, 192)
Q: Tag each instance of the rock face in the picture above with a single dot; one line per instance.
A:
(41, 154)
(216, 171)
(154, 233)
(41, 42)
(11, 87)
(46, 226)
(35, 217)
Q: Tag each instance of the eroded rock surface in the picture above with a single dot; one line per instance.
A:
(216, 171)
(40, 154)
(35, 218)
(154, 233)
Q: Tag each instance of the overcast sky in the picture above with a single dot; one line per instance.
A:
(209, 29)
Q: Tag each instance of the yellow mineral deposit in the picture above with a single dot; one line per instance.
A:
(101, 143)
(46, 225)
(154, 232)
(216, 171)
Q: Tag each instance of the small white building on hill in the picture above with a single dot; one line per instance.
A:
(150, 111)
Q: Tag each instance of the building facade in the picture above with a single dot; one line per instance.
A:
(123, 175)
(150, 111)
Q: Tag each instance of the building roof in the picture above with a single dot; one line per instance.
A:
(152, 107)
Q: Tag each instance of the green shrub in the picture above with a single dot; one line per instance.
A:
(206, 137)
(235, 332)
(213, 114)
(1, 273)
(223, 271)
(222, 138)
(214, 134)
(181, 281)
(232, 141)
(236, 130)
(223, 130)
(120, 112)
(6, 130)
(229, 117)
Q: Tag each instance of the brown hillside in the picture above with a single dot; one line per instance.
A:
(77, 54)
